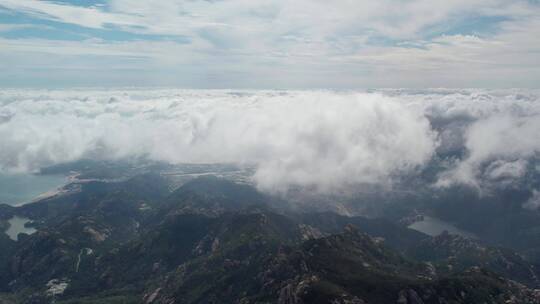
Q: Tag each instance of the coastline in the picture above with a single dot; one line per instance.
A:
(58, 191)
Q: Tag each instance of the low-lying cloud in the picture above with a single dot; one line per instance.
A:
(322, 140)
(504, 142)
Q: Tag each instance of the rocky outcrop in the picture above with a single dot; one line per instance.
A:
(408, 296)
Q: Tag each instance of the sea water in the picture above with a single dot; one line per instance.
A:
(16, 189)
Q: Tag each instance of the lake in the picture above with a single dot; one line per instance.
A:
(17, 226)
(433, 227)
(16, 189)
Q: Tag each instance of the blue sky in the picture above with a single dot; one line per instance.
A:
(270, 43)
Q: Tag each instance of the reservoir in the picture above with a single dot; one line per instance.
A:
(433, 227)
(16, 226)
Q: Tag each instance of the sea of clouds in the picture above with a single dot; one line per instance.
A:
(324, 140)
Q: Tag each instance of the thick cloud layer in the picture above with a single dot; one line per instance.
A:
(322, 140)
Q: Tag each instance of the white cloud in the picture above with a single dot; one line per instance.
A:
(500, 169)
(308, 18)
(534, 202)
(6, 27)
(321, 140)
(498, 146)
(317, 139)
(319, 44)
(92, 17)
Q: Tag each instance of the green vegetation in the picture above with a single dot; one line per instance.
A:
(214, 241)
